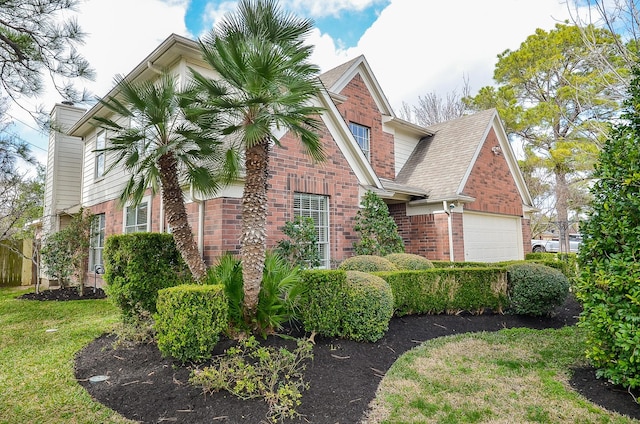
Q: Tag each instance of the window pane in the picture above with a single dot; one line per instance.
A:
(317, 208)
(361, 135)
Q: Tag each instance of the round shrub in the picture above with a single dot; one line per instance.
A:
(536, 289)
(189, 320)
(368, 307)
(409, 261)
(367, 263)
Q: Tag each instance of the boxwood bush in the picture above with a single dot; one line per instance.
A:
(137, 266)
(409, 261)
(536, 289)
(367, 263)
(368, 308)
(323, 300)
(189, 320)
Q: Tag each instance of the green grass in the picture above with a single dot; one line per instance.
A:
(516, 375)
(36, 367)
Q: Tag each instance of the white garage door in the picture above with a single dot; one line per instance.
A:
(492, 238)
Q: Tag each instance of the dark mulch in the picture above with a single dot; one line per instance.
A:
(343, 375)
(68, 293)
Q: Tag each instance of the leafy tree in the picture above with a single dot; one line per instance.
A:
(162, 149)
(609, 288)
(265, 83)
(65, 253)
(34, 40)
(554, 95)
(301, 249)
(377, 229)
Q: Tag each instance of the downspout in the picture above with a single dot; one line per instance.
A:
(446, 207)
(200, 203)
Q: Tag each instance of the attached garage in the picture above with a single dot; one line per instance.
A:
(492, 238)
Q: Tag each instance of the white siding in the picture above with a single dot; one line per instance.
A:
(404, 144)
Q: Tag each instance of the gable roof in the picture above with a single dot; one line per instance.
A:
(337, 79)
(443, 162)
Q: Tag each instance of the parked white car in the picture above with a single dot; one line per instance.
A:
(553, 246)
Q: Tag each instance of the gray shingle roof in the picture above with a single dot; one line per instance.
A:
(439, 163)
(331, 77)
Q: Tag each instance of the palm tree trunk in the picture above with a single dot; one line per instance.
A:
(254, 221)
(176, 213)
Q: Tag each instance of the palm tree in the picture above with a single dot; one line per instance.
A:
(265, 83)
(163, 149)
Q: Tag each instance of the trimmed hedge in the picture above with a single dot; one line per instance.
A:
(189, 320)
(367, 263)
(368, 309)
(137, 266)
(536, 289)
(449, 264)
(409, 262)
(323, 300)
(443, 290)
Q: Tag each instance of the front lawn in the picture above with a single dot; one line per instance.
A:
(36, 371)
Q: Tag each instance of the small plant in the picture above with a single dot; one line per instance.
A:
(189, 320)
(64, 254)
(377, 230)
(536, 289)
(251, 371)
(368, 307)
(280, 291)
(367, 263)
(302, 247)
(409, 262)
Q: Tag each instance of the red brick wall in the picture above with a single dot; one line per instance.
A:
(360, 108)
(526, 235)
(428, 235)
(492, 184)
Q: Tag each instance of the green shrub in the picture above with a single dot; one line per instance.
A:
(367, 263)
(368, 308)
(536, 289)
(301, 249)
(377, 230)
(456, 265)
(137, 266)
(609, 287)
(189, 320)
(323, 300)
(409, 262)
(448, 290)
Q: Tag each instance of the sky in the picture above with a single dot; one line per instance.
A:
(414, 47)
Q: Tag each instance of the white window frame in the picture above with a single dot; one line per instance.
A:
(137, 226)
(362, 134)
(100, 158)
(316, 206)
(97, 241)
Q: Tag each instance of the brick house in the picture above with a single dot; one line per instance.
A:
(454, 189)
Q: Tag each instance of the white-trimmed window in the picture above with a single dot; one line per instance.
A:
(101, 142)
(362, 136)
(97, 241)
(317, 208)
(136, 218)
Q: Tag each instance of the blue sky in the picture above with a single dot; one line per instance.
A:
(414, 47)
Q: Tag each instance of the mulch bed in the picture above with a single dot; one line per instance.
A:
(67, 293)
(343, 375)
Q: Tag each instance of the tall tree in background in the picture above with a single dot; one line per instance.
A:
(161, 149)
(433, 108)
(34, 41)
(621, 17)
(266, 83)
(554, 95)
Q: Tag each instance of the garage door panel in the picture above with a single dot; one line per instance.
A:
(492, 238)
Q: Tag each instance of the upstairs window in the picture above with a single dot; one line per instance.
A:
(101, 140)
(361, 134)
(316, 207)
(136, 218)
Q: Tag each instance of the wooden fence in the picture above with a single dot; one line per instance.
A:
(15, 270)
